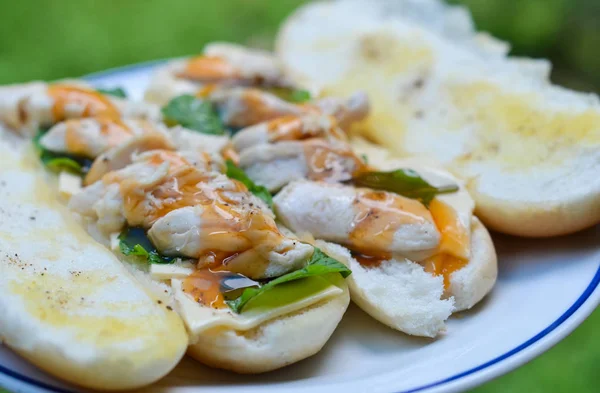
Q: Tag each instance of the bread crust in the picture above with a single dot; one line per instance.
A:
(473, 282)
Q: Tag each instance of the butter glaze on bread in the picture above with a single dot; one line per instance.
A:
(67, 304)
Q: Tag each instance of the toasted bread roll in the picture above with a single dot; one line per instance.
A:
(529, 151)
(67, 304)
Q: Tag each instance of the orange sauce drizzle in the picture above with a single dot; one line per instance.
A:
(204, 286)
(379, 216)
(257, 109)
(229, 153)
(94, 103)
(206, 90)
(454, 246)
(208, 69)
(207, 286)
(329, 162)
(239, 235)
(286, 128)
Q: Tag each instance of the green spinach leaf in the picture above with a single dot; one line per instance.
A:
(115, 91)
(193, 113)
(318, 265)
(405, 182)
(133, 241)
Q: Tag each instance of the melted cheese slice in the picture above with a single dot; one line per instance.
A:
(200, 318)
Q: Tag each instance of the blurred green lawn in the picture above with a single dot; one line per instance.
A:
(66, 38)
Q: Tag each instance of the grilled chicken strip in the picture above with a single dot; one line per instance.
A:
(192, 213)
(25, 108)
(374, 223)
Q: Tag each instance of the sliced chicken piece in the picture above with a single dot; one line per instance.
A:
(239, 238)
(192, 213)
(289, 128)
(374, 223)
(189, 140)
(102, 205)
(346, 111)
(27, 107)
(242, 107)
(90, 137)
(275, 165)
(122, 155)
(224, 61)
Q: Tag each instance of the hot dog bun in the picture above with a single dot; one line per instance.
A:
(68, 305)
(529, 151)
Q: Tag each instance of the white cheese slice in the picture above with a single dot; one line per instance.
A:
(69, 184)
(167, 272)
(114, 241)
(199, 318)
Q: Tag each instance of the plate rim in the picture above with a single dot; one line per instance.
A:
(496, 366)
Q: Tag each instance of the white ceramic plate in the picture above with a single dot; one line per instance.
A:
(545, 289)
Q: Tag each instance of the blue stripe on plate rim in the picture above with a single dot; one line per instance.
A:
(594, 283)
(564, 317)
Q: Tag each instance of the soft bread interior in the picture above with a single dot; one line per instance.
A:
(401, 295)
(398, 293)
(529, 151)
(275, 343)
(68, 305)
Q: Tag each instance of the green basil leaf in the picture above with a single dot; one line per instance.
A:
(133, 241)
(318, 265)
(405, 182)
(193, 113)
(289, 94)
(115, 91)
(237, 173)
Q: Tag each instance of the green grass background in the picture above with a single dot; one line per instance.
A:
(50, 39)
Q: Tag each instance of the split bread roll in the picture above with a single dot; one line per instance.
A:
(275, 343)
(67, 304)
(469, 285)
(398, 292)
(529, 151)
